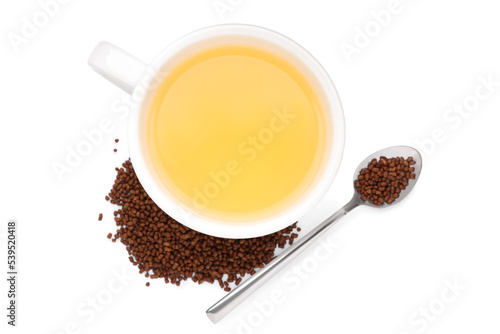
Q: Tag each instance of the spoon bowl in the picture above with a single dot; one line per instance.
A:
(390, 152)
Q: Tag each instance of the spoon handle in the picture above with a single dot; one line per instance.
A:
(226, 304)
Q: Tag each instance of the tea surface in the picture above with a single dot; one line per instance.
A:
(237, 132)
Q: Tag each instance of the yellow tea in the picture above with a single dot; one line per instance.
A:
(236, 131)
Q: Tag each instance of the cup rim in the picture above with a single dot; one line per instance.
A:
(263, 226)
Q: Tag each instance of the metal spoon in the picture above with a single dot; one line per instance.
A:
(241, 292)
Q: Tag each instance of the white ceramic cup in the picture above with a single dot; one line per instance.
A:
(140, 80)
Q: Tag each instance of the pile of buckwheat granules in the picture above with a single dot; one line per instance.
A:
(383, 180)
(163, 248)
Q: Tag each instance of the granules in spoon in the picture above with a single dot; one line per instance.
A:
(163, 248)
(383, 180)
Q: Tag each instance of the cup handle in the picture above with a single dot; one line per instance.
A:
(116, 65)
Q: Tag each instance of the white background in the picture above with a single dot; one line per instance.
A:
(389, 266)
